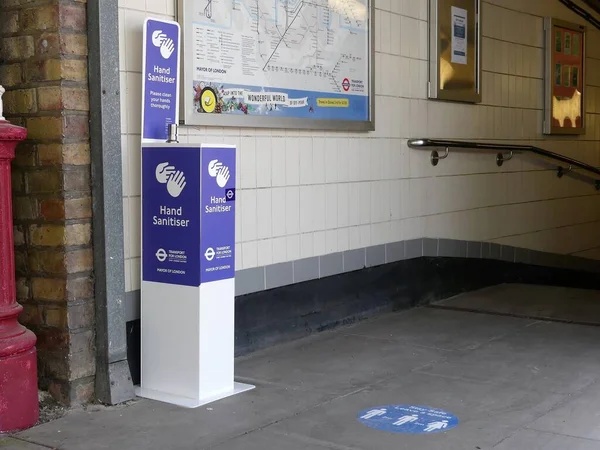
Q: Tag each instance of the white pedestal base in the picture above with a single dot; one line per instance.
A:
(185, 402)
(188, 277)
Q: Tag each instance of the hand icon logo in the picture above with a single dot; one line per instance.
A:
(223, 177)
(164, 172)
(158, 37)
(214, 167)
(167, 48)
(176, 184)
(164, 42)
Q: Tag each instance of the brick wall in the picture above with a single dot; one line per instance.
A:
(43, 65)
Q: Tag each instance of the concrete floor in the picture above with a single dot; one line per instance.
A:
(514, 383)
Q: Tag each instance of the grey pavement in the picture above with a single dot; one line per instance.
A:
(513, 382)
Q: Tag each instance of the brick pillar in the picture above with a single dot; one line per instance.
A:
(43, 65)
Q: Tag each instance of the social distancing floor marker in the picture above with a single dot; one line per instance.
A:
(409, 419)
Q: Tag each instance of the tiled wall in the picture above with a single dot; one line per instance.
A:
(337, 191)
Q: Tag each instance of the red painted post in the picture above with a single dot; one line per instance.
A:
(19, 408)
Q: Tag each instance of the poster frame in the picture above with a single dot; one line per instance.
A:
(187, 118)
(435, 28)
(549, 77)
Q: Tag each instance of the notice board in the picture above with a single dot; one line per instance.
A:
(565, 78)
(278, 63)
(455, 50)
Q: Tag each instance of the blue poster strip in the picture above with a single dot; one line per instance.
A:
(161, 78)
(230, 99)
(409, 419)
(171, 215)
(217, 238)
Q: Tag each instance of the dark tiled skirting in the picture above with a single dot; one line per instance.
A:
(287, 301)
(270, 277)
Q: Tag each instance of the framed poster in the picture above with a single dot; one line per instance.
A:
(454, 50)
(282, 64)
(564, 110)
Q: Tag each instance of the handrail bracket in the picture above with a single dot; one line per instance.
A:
(501, 157)
(561, 171)
(435, 156)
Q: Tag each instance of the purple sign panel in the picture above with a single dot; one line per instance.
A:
(160, 78)
(217, 237)
(171, 215)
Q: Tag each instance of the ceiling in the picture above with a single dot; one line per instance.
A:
(595, 4)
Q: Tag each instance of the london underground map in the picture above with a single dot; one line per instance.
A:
(281, 58)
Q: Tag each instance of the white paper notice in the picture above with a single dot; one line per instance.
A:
(459, 35)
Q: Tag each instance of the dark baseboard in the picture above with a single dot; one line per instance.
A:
(267, 318)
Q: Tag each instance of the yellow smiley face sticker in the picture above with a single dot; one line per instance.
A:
(208, 100)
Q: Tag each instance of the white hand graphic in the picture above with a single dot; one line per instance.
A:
(214, 167)
(176, 184)
(223, 177)
(158, 37)
(167, 48)
(164, 172)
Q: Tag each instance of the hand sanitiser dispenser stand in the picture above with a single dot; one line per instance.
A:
(188, 243)
(188, 273)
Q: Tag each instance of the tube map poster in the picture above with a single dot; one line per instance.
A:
(292, 59)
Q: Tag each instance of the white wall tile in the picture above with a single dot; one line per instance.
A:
(292, 210)
(354, 210)
(279, 250)
(377, 31)
(365, 235)
(249, 254)
(134, 227)
(265, 252)
(238, 263)
(247, 204)
(133, 22)
(331, 161)
(364, 203)
(128, 282)
(343, 239)
(125, 165)
(134, 151)
(293, 247)
(307, 218)
(247, 170)
(126, 229)
(307, 245)
(134, 100)
(292, 162)
(385, 29)
(263, 162)
(157, 6)
(264, 213)
(319, 166)
(278, 211)
(331, 241)
(331, 206)
(278, 164)
(135, 273)
(318, 209)
(319, 243)
(395, 32)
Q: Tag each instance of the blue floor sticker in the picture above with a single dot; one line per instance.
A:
(408, 419)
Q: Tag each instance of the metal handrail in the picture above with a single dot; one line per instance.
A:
(500, 157)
